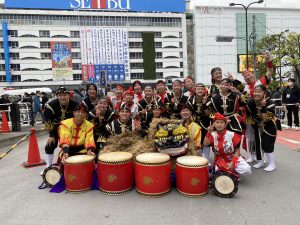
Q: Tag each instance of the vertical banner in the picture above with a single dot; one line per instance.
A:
(90, 54)
(61, 60)
(102, 56)
(6, 51)
(84, 61)
(115, 61)
(120, 54)
(108, 54)
(96, 52)
(126, 55)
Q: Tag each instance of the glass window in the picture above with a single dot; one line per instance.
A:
(44, 33)
(16, 78)
(45, 44)
(13, 33)
(158, 65)
(137, 76)
(76, 66)
(158, 55)
(2, 77)
(77, 76)
(75, 34)
(45, 55)
(75, 44)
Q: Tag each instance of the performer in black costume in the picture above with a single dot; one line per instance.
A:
(56, 110)
(261, 114)
(201, 113)
(175, 100)
(227, 103)
(125, 123)
(100, 117)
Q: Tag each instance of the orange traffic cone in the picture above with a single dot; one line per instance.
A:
(4, 127)
(34, 158)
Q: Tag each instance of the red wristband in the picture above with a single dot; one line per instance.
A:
(270, 64)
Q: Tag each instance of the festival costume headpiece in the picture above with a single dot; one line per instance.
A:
(62, 90)
(124, 107)
(129, 92)
(219, 116)
(81, 107)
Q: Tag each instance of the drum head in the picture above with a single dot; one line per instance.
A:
(192, 161)
(225, 185)
(51, 176)
(152, 158)
(79, 159)
(115, 157)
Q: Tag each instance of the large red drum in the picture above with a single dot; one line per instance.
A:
(115, 172)
(78, 172)
(152, 174)
(192, 175)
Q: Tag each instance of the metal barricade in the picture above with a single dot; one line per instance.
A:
(25, 112)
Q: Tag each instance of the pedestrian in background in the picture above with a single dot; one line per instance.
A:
(37, 105)
(291, 100)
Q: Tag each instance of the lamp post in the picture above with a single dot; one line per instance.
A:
(279, 46)
(246, 14)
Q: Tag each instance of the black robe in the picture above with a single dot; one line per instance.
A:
(116, 127)
(173, 108)
(265, 129)
(228, 106)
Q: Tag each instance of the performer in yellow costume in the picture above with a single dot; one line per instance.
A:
(76, 134)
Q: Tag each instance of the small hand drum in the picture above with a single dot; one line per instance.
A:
(51, 175)
(225, 184)
(115, 172)
(152, 174)
(78, 172)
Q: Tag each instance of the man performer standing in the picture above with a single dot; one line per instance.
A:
(56, 110)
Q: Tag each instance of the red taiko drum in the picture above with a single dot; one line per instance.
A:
(152, 174)
(115, 172)
(192, 175)
(78, 172)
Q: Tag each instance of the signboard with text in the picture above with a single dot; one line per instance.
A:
(130, 5)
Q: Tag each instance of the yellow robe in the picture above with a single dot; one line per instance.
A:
(76, 136)
(194, 131)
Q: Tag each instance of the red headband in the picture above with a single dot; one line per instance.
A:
(245, 72)
(219, 116)
(189, 78)
(129, 92)
(120, 86)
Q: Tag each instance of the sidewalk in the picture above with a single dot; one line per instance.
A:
(11, 138)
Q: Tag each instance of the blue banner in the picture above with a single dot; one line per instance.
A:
(6, 51)
(97, 72)
(130, 5)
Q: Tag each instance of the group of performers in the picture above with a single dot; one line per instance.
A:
(224, 117)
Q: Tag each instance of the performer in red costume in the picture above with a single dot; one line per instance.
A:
(225, 145)
(189, 84)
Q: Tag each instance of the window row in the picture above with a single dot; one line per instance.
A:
(66, 20)
(14, 78)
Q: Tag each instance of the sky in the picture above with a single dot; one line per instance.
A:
(267, 3)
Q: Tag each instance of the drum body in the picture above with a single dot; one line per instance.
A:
(152, 174)
(115, 172)
(224, 184)
(52, 175)
(192, 176)
(78, 172)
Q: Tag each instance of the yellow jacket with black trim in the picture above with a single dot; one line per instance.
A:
(74, 136)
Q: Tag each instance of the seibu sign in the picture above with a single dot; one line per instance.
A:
(100, 4)
(177, 6)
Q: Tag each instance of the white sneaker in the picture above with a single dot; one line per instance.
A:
(297, 128)
(41, 173)
(250, 159)
(270, 168)
(258, 165)
(288, 128)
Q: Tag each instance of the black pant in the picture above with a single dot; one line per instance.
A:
(49, 148)
(292, 109)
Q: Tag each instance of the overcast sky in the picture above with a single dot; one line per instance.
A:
(267, 3)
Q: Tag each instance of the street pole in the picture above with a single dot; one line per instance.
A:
(246, 10)
(247, 56)
(254, 46)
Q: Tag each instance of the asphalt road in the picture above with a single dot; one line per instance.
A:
(263, 198)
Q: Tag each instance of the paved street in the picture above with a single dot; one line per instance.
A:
(263, 198)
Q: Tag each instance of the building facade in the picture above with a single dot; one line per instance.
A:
(30, 33)
(213, 21)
